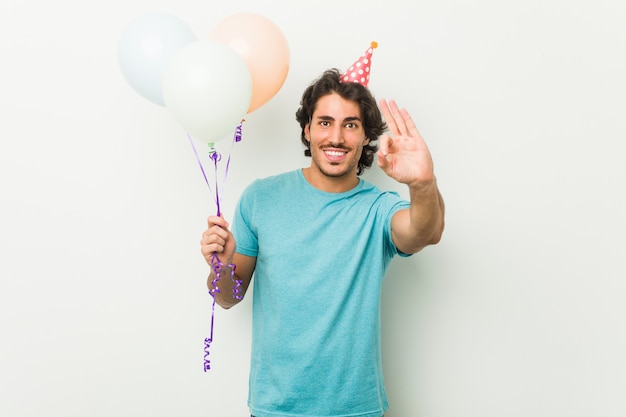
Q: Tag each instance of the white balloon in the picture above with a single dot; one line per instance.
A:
(145, 49)
(208, 89)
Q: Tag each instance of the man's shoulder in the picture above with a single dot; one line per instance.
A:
(273, 180)
(271, 187)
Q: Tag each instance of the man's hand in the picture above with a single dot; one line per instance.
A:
(217, 239)
(404, 156)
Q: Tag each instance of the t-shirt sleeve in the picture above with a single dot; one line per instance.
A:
(245, 235)
(394, 204)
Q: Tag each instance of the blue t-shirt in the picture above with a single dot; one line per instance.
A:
(321, 259)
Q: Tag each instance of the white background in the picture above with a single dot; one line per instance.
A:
(519, 311)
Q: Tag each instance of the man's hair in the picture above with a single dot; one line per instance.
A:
(328, 83)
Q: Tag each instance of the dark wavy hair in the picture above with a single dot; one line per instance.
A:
(328, 83)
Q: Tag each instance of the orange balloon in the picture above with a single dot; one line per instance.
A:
(262, 46)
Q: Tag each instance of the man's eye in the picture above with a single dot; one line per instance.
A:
(351, 125)
(324, 123)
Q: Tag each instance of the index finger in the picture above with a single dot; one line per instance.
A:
(409, 123)
(396, 119)
(217, 221)
(386, 111)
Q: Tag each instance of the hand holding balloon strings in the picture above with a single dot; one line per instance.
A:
(216, 157)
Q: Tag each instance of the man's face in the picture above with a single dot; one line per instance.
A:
(336, 136)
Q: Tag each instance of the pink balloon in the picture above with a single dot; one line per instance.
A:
(264, 49)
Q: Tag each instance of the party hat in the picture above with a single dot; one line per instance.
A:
(359, 72)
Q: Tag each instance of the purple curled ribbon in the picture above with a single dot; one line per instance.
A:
(218, 267)
(208, 340)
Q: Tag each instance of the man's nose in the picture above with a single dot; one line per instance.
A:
(337, 134)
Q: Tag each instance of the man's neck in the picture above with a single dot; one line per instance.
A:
(330, 184)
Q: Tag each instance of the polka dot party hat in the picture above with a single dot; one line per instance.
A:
(359, 72)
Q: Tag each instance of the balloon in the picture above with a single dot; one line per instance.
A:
(264, 49)
(207, 88)
(145, 48)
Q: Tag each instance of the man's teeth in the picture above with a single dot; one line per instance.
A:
(334, 153)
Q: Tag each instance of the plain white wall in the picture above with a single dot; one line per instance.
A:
(517, 312)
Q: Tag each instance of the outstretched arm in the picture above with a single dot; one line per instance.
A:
(405, 157)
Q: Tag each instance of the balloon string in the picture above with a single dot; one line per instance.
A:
(237, 288)
(236, 139)
(195, 151)
(216, 264)
(216, 157)
(208, 340)
(218, 267)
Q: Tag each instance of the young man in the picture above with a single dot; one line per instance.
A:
(319, 241)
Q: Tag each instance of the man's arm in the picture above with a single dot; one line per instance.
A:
(218, 242)
(406, 158)
(422, 223)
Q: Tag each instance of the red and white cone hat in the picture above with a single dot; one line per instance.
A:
(359, 72)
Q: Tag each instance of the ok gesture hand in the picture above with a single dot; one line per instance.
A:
(404, 156)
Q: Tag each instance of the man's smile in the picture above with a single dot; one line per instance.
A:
(334, 153)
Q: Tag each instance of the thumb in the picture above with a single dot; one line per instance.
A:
(385, 143)
(382, 161)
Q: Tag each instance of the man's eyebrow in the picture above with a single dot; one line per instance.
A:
(347, 119)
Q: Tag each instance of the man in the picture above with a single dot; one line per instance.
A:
(319, 241)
